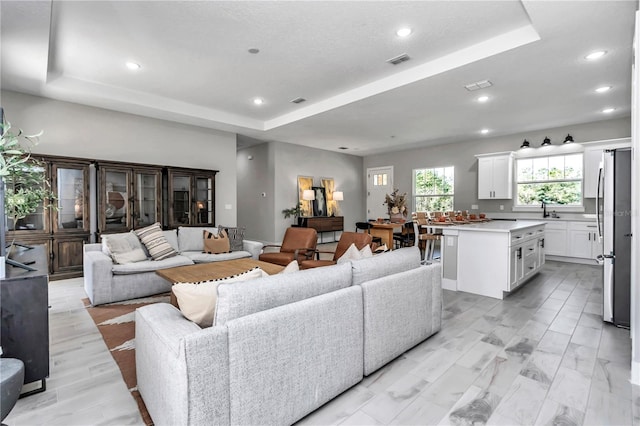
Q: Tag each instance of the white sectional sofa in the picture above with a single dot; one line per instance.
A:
(283, 345)
(106, 281)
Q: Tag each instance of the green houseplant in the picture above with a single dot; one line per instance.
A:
(23, 181)
(294, 212)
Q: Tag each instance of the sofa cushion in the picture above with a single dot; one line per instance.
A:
(150, 265)
(125, 248)
(236, 236)
(172, 237)
(197, 301)
(199, 257)
(190, 238)
(241, 299)
(385, 264)
(215, 243)
(155, 242)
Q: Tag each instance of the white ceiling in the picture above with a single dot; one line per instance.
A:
(196, 68)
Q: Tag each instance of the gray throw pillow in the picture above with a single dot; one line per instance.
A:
(125, 248)
(236, 237)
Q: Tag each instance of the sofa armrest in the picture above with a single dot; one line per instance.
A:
(253, 247)
(182, 370)
(92, 247)
(97, 276)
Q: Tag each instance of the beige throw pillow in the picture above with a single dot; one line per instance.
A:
(197, 301)
(216, 243)
(352, 253)
(291, 267)
(124, 248)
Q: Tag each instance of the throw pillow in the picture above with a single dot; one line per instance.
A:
(366, 252)
(352, 253)
(291, 267)
(125, 248)
(215, 243)
(155, 242)
(197, 301)
(236, 237)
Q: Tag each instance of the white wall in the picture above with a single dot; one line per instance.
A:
(275, 169)
(461, 156)
(80, 131)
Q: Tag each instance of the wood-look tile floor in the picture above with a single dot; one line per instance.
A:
(541, 356)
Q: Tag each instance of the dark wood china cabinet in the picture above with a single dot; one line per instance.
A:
(191, 196)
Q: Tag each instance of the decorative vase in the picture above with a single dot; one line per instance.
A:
(396, 218)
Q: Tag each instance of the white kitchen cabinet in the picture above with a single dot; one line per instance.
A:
(555, 240)
(583, 240)
(592, 158)
(495, 176)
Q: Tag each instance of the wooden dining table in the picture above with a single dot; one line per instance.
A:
(385, 230)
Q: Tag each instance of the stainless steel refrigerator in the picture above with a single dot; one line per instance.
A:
(613, 214)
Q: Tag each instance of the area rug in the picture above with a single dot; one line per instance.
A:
(116, 323)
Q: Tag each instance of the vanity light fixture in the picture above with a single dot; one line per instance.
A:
(595, 55)
(603, 89)
(608, 110)
(525, 144)
(568, 139)
(546, 142)
(404, 32)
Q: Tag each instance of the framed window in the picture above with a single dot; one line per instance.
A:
(380, 179)
(433, 189)
(556, 179)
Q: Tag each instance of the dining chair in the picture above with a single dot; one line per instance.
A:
(405, 238)
(366, 227)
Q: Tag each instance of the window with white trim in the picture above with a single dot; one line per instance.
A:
(556, 180)
(433, 189)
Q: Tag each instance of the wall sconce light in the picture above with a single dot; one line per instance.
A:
(525, 144)
(568, 139)
(308, 195)
(546, 142)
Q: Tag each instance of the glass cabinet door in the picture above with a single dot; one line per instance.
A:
(116, 214)
(18, 200)
(146, 202)
(70, 187)
(181, 198)
(204, 200)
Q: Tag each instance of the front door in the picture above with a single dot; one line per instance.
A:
(379, 184)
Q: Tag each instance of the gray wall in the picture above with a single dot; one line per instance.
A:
(461, 156)
(80, 131)
(275, 168)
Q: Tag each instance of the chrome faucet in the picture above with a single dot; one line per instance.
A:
(544, 209)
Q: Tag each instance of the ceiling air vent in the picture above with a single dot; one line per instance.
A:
(478, 85)
(297, 100)
(399, 59)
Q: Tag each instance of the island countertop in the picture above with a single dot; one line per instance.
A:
(495, 226)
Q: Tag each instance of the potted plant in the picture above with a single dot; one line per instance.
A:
(396, 206)
(22, 180)
(295, 211)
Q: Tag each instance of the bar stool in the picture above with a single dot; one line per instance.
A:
(428, 239)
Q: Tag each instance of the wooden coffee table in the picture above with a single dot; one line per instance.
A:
(214, 271)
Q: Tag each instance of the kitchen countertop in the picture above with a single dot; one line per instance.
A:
(572, 217)
(495, 226)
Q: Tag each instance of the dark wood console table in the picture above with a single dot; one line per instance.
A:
(24, 315)
(323, 224)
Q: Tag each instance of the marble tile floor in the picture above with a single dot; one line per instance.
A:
(541, 356)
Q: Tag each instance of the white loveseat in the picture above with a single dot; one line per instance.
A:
(106, 281)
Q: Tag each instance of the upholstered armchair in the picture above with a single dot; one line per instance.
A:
(298, 244)
(360, 240)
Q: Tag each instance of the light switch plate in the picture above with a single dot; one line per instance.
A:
(501, 207)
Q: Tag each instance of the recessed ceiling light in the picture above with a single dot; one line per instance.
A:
(603, 89)
(483, 99)
(404, 32)
(596, 55)
(484, 131)
(133, 66)
(258, 101)
(608, 110)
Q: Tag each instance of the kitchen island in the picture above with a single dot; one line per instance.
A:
(491, 258)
